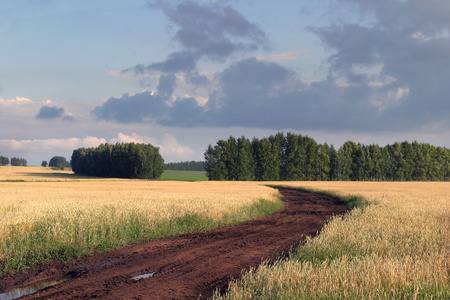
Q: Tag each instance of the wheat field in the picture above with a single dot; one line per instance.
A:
(59, 216)
(397, 247)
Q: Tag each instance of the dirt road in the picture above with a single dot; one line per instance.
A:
(187, 266)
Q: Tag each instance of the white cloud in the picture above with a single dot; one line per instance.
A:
(391, 98)
(418, 35)
(15, 101)
(171, 148)
(41, 145)
(133, 138)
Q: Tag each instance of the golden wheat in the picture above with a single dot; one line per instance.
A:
(65, 214)
(397, 247)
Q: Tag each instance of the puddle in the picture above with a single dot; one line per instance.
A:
(139, 277)
(28, 290)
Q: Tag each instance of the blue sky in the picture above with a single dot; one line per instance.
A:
(183, 74)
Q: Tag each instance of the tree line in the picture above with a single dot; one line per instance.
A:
(296, 157)
(121, 160)
(185, 166)
(15, 161)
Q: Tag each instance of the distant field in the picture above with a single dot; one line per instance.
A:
(184, 175)
(10, 174)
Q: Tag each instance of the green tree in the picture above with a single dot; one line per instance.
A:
(266, 168)
(293, 158)
(443, 159)
(333, 174)
(185, 166)
(231, 155)
(278, 142)
(4, 161)
(408, 160)
(15, 161)
(58, 162)
(44, 163)
(344, 161)
(323, 162)
(398, 162)
(244, 160)
(376, 170)
(311, 162)
(140, 161)
(215, 164)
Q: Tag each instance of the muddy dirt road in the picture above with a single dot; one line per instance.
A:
(187, 266)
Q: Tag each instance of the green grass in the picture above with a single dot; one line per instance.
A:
(184, 175)
(12, 180)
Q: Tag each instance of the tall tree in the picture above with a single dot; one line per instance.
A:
(323, 162)
(399, 163)
(266, 168)
(293, 159)
(408, 160)
(58, 161)
(377, 163)
(4, 161)
(443, 158)
(244, 159)
(333, 162)
(215, 164)
(344, 161)
(231, 155)
(311, 164)
(278, 142)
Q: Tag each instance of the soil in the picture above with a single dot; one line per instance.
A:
(189, 266)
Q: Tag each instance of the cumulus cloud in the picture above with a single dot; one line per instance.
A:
(411, 43)
(17, 101)
(169, 146)
(205, 31)
(50, 112)
(389, 73)
(54, 145)
(133, 138)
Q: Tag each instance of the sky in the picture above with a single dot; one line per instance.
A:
(183, 74)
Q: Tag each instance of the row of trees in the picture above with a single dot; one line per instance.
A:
(297, 157)
(4, 161)
(185, 166)
(122, 160)
(15, 161)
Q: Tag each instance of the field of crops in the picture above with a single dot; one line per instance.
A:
(58, 216)
(397, 248)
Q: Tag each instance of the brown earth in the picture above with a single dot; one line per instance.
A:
(190, 266)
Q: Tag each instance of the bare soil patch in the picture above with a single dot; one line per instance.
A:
(189, 266)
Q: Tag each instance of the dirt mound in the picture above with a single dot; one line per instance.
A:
(187, 266)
